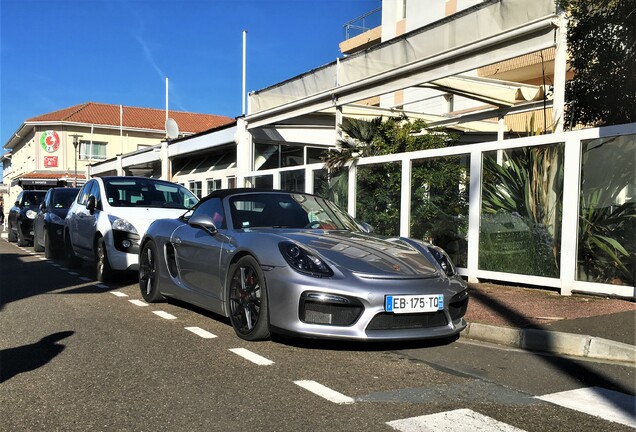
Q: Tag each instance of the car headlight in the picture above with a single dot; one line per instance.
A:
(31, 214)
(124, 225)
(304, 261)
(442, 259)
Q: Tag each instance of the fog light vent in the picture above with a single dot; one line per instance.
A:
(330, 310)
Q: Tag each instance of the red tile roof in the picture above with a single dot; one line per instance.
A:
(134, 117)
(51, 175)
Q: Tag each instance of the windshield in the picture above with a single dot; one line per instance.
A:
(284, 210)
(63, 198)
(125, 192)
(33, 199)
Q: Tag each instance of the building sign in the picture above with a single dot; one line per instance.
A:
(50, 161)
(50, 141)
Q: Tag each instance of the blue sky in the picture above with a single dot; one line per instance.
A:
(59, 53)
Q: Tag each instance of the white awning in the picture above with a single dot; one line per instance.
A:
(488, 90)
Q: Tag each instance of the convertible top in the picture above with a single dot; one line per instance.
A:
(222, 193)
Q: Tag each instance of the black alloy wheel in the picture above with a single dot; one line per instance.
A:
(149, 273)
(247, 300)
(103, 270)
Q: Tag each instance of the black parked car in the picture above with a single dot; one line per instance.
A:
(22, 214)
(48, 227)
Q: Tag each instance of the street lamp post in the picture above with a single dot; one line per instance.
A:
(76, 138)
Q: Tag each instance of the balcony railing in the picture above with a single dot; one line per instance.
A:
(363, 23)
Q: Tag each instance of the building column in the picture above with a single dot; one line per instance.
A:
(165, 161)
(244, 152)
(560, 69)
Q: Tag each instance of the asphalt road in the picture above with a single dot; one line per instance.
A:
(76, 355)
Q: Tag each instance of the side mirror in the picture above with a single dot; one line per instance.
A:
(17, 203)
(205, 222)
(366, 228)
(90, 205)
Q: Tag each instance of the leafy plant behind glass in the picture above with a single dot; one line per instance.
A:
(528, 184)
(607, 246)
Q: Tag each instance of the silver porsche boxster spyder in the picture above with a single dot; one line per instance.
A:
(293, 263)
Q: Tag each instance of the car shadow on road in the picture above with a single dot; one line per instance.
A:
(362, 346)
(30, 357)
(571, 367)
(23, 279)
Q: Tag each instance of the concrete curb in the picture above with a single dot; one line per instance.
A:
(553, 342)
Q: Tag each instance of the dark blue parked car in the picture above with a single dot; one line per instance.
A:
(22, 214)
(49, 222)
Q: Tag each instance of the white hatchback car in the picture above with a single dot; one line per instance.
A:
(111, 214)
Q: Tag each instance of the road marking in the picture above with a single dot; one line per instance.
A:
(55, 265)
(119, 294)
(164, 315)
(63, 268)
(42, 259)
(73, 273)
(597, 401)
(200, 332)
(84, 278)
(448, 422)
(138, 303)
(325, 392)
(254, 358)
(102, 286)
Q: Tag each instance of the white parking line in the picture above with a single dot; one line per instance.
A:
(200, 332)
(254, 358)
(43, 259)
(450, 421)
(55, 265)
(597, 401)
(73, 273)
(325, 392)
(84, 278)
(138, 303)
(63, 268)
(164, 315)
(119, 294)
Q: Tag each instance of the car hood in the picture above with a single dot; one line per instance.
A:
(142, 217)
(366, 255)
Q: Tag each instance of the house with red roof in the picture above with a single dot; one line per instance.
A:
(54, 149)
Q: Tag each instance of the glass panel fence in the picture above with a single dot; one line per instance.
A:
(439, 204)
(334, 186)
(522, 195)
(378, 200)
(606, 250)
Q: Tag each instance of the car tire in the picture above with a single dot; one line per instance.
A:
(36, 245)
(11, 236)
(149, 273)
(103, 270)
(72, 260)
(22, 242)
(247, 303)
(49, 252)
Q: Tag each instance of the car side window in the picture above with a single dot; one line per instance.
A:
(19, 199)
(47, 199)
(84, 193)
(214, 208)
(96, 193)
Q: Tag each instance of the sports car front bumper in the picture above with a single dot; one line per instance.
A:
(353, 307)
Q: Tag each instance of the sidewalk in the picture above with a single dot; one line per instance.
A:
(543, 320)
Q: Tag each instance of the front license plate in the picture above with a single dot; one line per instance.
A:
(414, 303)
